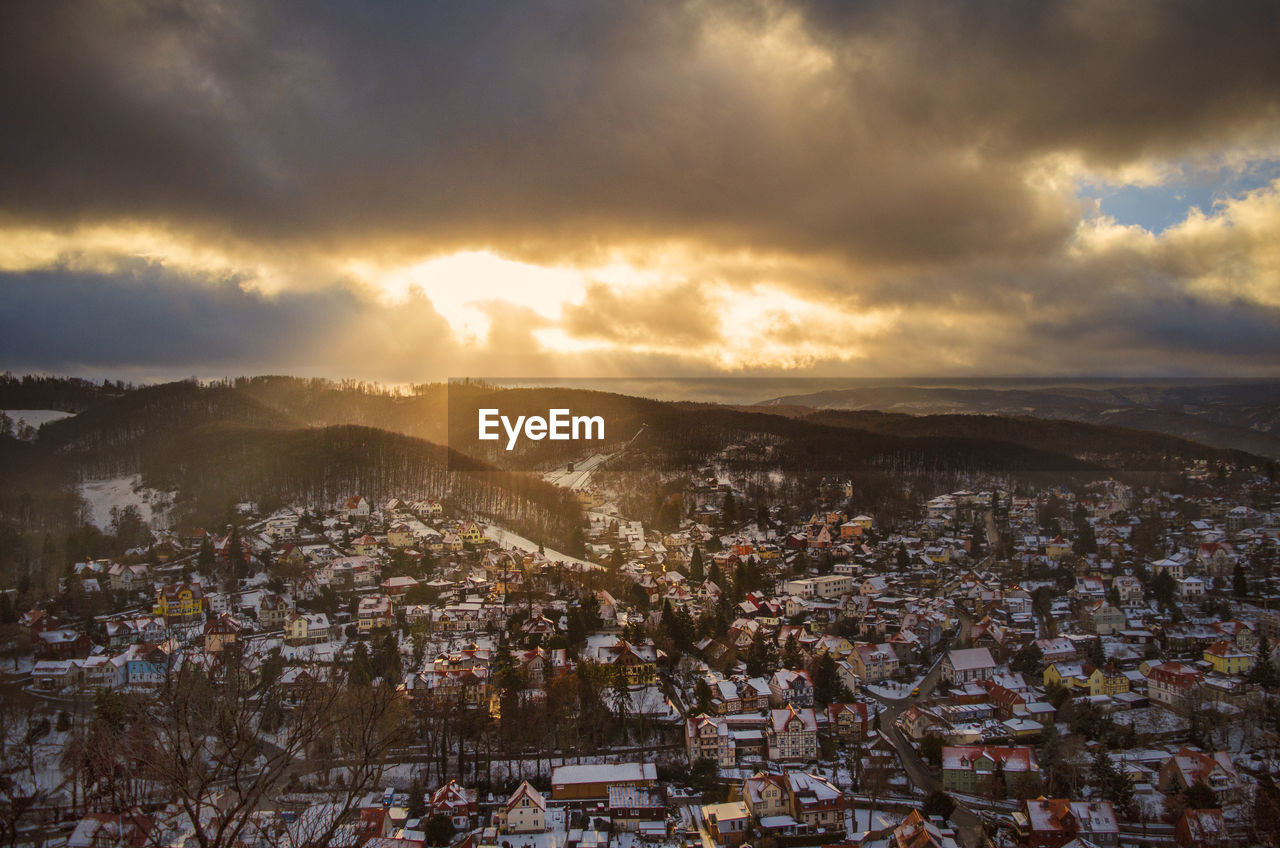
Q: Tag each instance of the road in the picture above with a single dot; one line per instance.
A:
(968, 825)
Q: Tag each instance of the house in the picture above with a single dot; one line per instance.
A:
(1188, 767)
(472, 533)
(1226, 658)
(918, 722)
(62, 644)
(524, 812)
(643, 810)
(1129, 588)
(727, 823)
(366, 545)
(53, 675)
(639, 662)
(592, 782)
(111, 830)
(1173, 685)
(1202, 829)
(1108, 680)
(1055, 822)
(1191, 588)
(792, 734)
(793, 688)
(1175, 568)
(273, 609)
(874, 662)
(180, 603)
(1059, 649)
(767, 794)
(221, 633)
(710, 738)
(455, 802)
(847, 722)
(373, 611)
(1103, 619)
(307, 628)
(915, 832)
(816, 802)
(973, 768)
(356, 507)
(146, 666)
(966, 665)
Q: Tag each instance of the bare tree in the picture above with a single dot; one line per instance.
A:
(21, 792)
(201, 741)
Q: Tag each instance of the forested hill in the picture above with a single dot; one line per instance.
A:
(1240, 414)
(218, 445)
(217, 466)
(1112, 447)
(682, 436)
(112, 437)
(69, 394)
(420, 411)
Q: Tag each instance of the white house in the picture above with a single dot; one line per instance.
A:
(524, 812)
(966, 665)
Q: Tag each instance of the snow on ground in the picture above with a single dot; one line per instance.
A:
(118, 492)
(891, 691)
(36, 417)
(508, 539)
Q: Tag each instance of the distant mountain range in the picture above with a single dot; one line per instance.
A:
(1241, 415)
(274, 438)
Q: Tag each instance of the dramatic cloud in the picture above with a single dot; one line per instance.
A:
(413, 191)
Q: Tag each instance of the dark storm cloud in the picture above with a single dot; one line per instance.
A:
(545, 128)
(64, 319)
(1112, 81)
(146, 319)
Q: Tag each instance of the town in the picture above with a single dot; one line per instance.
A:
(1085, 665)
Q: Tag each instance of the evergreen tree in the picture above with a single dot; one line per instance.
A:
(1028, 660)
(729, 511)
(1263, 673)
(1240, 582)
(696, 571)
(1200, 797)
(204, 559)
(939, 803)
(791, 656)
(931, 748)
(360, 673)
(826, 680)
(702, 696)
(236, 563)
(438, 830)
(417, 799)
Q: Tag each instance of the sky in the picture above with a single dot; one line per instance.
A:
(410, 191)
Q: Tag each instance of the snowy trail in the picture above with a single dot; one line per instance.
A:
(508, 539)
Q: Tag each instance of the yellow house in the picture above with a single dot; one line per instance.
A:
(1107, 681)
(1069, 675)
(179, 601)
(1056, 548)
(638, 662)
(400, 536)
(1227, 658)
(472, 532)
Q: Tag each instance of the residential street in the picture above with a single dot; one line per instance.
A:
(968, 825)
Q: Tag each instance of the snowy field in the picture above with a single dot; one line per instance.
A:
(118, 492)
(508, 539)
(35, 417)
